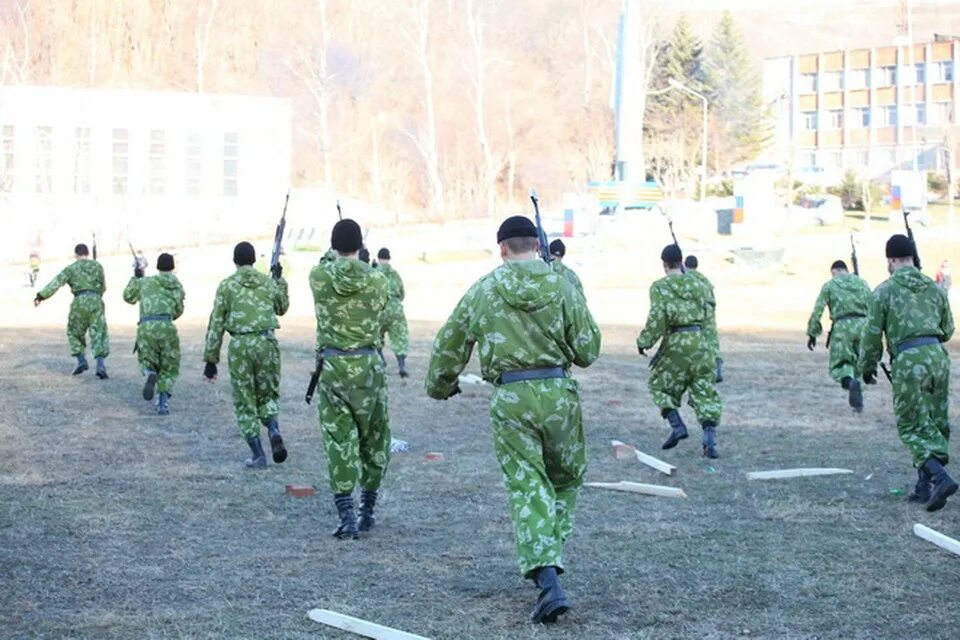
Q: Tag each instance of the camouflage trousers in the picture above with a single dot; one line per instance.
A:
(845, 348)
(86, 314)
(921, 398)
(352, 408)
(158, 350)
(397, 328)
(538, 439)
(254, 362)
(686, 365)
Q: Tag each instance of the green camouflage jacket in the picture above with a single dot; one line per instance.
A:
(82, 275)
(522, 315)
(161, 294)
(349, 298)
(396, 283)
(907, 305)
(675, 300)
(567, 273)
(710, 322)
(844, 294)
(246, 302)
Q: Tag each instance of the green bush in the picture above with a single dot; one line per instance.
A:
(723, 189)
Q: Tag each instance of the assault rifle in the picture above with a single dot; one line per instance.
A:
(93, 249)
(314, 379)
(278, 239)
(853, 256)
(541, 234)
(913, 241)
(683, 269)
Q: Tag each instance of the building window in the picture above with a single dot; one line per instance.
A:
(863, 158)
(810, 120)
(121, 161)
(835, 119)
(886, 76)
(943, 71)
(44, 157)
(809, 159)
(921, 114)
(6, 159)
(858, 78)
(887, 116)
(158, 150)
(834, 159)
(231, 156)
(860, 117)
(194, 164)
(940, 113)
(889, 157)
(832, 81)
(81, 160)
(921, 73)
(808, 83)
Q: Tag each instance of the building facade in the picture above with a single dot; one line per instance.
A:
(869, 110)
(157, 168)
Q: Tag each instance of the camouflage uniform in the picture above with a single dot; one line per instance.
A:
(523, 315)
(907, 306)
(87, 284)
(350, 302)
(684, 361)
(568, 273)
(158, 344)
(847, 297)
(396, 320)
(709, 328)
(246, 306)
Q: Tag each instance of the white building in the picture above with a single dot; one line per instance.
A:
(158, 168)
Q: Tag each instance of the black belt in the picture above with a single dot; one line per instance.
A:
(913, 343)
(333, 352)
(848, 316)
(684, 328)
(86, 292)
(264, 333)
(156, 318)
(541, 373)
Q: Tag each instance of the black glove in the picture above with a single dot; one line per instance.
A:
(811, 342)
(642, 351)
(210, 371)
(455, 391)
(870, 377)
(37, 300)
(137, 272)
(276, 271)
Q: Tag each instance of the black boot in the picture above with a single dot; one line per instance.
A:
(856, 395)
(81, 365)
(258, 460)
(276, 441)
(101, 368)
(943, 485)
(402, 365)
(552, 601)
(368, 499)
(150, 385)
(710, 440)
(679, 430)
(348, 521)
(163, 406)
(921, 492)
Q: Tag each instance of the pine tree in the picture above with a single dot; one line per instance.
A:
(741, 119)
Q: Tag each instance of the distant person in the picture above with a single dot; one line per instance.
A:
(847, 297)
(246, 306)
(558, 250)
(87, 283)
(914, 315)
(710, 333)
(684, 363)
(140, 262)
(34, 272)
(529, 328)
(396, 322)
(350, 302)
(364, 255)
(158, 343)
(944, 279)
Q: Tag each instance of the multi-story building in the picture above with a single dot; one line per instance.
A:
(870, 110)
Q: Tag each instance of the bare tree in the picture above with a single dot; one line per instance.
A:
(202, 39)
(477, 71)
(17, 67)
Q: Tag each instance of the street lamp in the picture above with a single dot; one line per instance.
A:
(703, 149)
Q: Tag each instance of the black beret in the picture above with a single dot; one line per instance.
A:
(81, 250)
(383, 254)
(557, 248)
(243, 254)
(516, 227)
(899, 246)
(838, 264)
(364, 255)
(671, 254)
(165, 262)
(346, 236)
(691, 262)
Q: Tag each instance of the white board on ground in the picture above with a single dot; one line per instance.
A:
(647, 459)
(937, 538)
(639, 487)
(360, 627)
(794, 473)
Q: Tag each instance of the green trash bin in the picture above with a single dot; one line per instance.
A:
(724, 221)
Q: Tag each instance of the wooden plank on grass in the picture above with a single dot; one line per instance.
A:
(645, 458)
(360, 627)
(639, 487)
(937, 538)
(794, 473)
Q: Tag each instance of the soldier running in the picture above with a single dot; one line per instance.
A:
(158, 343)
(530, 325)
(558, 250)
(914, 315)
(396, 326)
(847, 297)
(87, 283)
(246, 306)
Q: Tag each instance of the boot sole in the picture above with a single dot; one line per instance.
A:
(103, 375)
(80, 370)
(939, 501)
(552, 611)
(345, 535)
(149, 387)
(276, 446)
(672, 442)
(255, 465)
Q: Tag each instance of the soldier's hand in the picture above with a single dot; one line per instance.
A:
(210, 371)
(870, 377)
(811, 342)
(137, 272)
(642, 351)
(456, 390)
(276, 271)
(37, 300)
